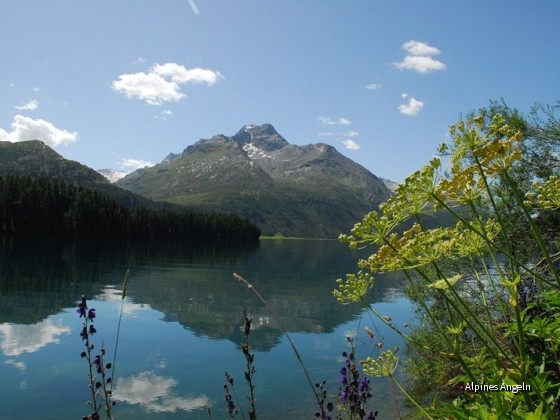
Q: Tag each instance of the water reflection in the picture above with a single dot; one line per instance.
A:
(189, 285)
(183, 318)
(19, 338)
(156, 394)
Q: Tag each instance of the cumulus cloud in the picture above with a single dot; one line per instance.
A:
(135, 163)
(180, 74)
(28, 106)
(25, 128)
(412, 107)
(162, 83)
(419, 58)
(374, 86)
(330, 121)
(419, 48)
(351, 144)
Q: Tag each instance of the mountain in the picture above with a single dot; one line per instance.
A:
(112, 175)
(392, 185)
(306, 191)
(35, 159)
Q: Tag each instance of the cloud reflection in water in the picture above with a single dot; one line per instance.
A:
(155, 393)
(21, 338)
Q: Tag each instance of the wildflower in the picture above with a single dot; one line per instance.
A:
(91, 314)
(343, 377)
(230, 405)
(97, 362)
(384, 365)
(231, 408)
(354, 392)
(84, 333)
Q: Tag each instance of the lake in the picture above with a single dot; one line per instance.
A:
(182, 326)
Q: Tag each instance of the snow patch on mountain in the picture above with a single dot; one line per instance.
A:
(112, 175)
(254, 152)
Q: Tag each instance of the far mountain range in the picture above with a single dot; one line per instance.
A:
(285, 189)
(288, 190)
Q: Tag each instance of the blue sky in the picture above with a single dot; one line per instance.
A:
(120, 83)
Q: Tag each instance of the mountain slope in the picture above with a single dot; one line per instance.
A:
(310, 191)
(35, 159)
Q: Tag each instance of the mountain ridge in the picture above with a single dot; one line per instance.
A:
(311, 190)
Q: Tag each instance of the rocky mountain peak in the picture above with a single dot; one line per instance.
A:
(263, 137)
(310, 190)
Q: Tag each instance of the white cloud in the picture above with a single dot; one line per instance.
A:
(412, 107)
(350, 133)
(163, 115)
(25, 128)
(420, 48)
(156, 394)
(36, 89)
(149, 87)
(194, 7)
(162, 82)
(20, 338)
(351, 144)
(420, 64)
(374, 86)
(135, 163)
(420, 58)
(28, 106)
(180, 74)
(330, 121)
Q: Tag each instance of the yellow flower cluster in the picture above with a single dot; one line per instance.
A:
(384, 365)
(547, 195)
(477, 154)
(354, 289)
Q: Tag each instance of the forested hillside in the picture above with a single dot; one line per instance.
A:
(52, 206)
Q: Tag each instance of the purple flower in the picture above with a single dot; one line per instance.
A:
(343, 376)
(81, 310)
(92, 329)
(364, 384)
(84, 333)
(91, 314)
(231, 408)
(97, 362)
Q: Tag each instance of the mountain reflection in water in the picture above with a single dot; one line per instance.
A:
(190, 285)
(182, 323)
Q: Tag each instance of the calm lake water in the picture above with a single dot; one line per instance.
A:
(182, 326)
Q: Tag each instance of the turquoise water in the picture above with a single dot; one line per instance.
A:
(182, 326)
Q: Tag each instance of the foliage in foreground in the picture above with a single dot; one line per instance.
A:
(488, 306)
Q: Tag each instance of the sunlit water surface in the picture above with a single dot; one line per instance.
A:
(182, 326)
